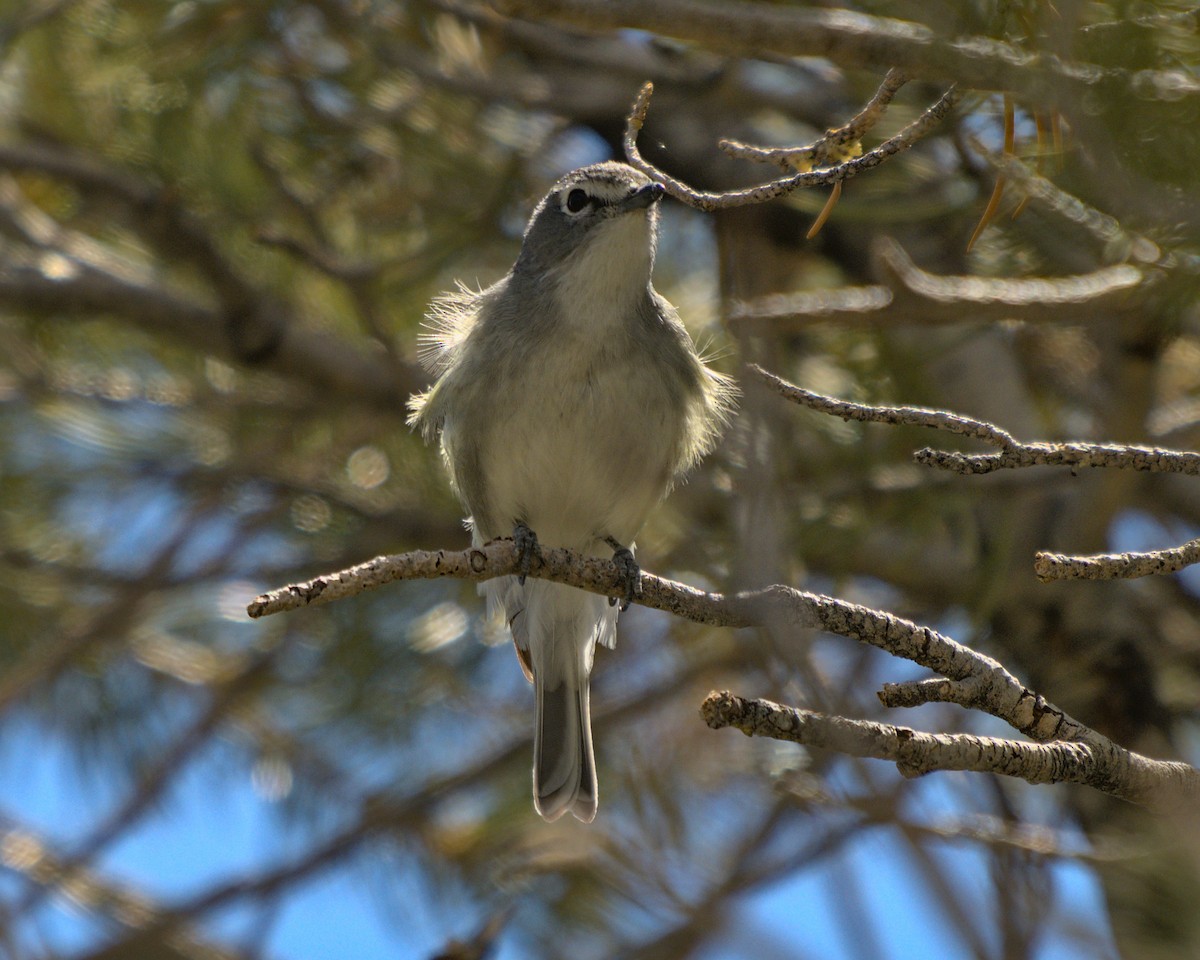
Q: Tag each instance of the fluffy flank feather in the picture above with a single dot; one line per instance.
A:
(449, 319)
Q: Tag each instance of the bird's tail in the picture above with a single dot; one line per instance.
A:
(564, 763)
(556, 629)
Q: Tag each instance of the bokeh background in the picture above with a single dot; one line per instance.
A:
(220, 223)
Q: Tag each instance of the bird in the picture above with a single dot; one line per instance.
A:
(568, 399)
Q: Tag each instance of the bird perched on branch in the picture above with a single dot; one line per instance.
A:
(569, 399)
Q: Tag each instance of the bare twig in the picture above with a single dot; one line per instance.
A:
(1015, 298)
(774, 189)
(1119, 455)
(784, 313)
(1014, 453)
(835, 146)
(1116, 771)
(912, 416)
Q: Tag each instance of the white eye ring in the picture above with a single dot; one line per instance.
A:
(575, 201)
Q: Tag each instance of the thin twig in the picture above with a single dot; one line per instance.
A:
(835, 146)
(910, 416)
(1013, 453)
(1092, 455)
(774, 189)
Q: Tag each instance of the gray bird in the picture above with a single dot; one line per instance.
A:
(569, 399)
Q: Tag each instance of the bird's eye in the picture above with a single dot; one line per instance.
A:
(576, 200)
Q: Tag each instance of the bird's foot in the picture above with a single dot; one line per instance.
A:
(526, 542)
(629, 574)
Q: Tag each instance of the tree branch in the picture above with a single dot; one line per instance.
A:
(925, 298)
(1013, 454)
(835, 146)
(1118, 771)
(859, 40)
(1115, 566)
(246, 326)
(914, 753)
(708, 201)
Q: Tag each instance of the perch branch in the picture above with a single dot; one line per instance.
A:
(1120, 772)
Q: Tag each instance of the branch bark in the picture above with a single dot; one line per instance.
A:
(1013, 453)
(828, 176)
(974, 680)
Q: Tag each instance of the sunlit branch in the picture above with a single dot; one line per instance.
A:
(1122, 772)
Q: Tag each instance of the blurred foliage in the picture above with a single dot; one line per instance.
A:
(220, 223)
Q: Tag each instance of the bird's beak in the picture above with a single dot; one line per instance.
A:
(643, 197)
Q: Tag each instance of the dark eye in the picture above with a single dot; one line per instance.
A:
(577, 200)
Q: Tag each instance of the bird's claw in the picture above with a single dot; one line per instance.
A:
(629, 574)
(526, 542)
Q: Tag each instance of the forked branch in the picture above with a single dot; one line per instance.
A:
(972, 679)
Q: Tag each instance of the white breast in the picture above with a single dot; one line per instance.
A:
(589, 451)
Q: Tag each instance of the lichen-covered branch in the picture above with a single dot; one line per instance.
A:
(917, 754)
(993, 689)
(1013, 454)
(704, 200)
(1119, 455)
(1115, 566)
(913, 752)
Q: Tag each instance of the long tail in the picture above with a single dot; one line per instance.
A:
(556, 628)
(564, 763)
